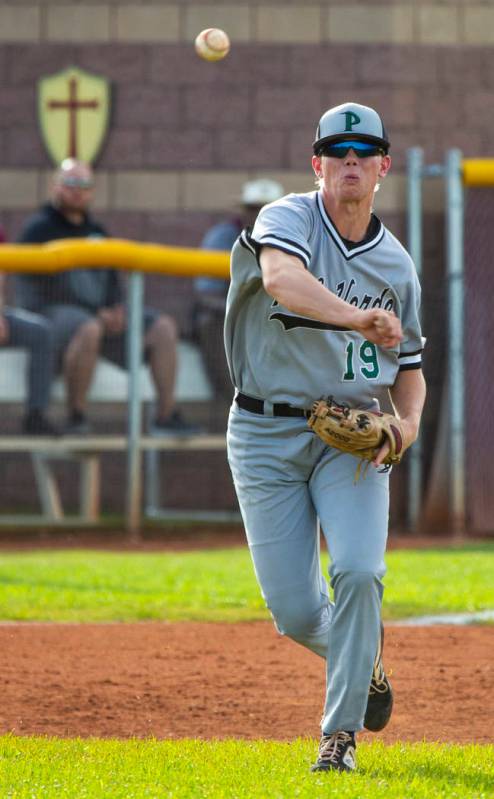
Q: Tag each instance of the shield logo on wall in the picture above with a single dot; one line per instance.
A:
(73, 113)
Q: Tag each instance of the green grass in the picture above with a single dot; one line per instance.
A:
(217, 585)
(439, 581)
(48, 768)
(220, 585)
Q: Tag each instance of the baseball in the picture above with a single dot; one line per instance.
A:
(212, 44)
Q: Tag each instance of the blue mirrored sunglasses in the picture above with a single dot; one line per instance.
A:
(362, 149)
(77, 183)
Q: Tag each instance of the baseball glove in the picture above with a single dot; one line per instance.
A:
(358, 432)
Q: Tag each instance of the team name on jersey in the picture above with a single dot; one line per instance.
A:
(345, 288)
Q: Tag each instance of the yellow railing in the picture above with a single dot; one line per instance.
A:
(478, 171)
(62, 254)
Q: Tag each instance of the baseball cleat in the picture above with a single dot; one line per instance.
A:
(336, 752)
(380, 701)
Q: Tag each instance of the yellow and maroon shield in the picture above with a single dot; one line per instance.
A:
(73, 112)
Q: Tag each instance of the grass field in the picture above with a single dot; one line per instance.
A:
(217, 585)
(53, 769)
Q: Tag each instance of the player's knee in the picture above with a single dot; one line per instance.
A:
(297, 616)
(357, 583)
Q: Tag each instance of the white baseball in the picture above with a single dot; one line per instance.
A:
(212, 44)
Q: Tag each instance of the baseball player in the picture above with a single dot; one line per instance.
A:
(324, 301)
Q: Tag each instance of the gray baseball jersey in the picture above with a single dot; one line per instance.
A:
(274, 354)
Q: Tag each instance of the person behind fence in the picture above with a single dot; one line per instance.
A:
(86, 307)
(210, 293)
(29, 331)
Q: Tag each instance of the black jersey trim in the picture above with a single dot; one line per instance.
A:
(250, 245)
(267, 236)
(246, 242)
(282, 244)
(288, 252)
(255, 247)
(410, 354)
(407, 366)
(291, 322)
(354, 252)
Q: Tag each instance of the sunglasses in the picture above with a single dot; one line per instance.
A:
(77, 183)
(362, 149)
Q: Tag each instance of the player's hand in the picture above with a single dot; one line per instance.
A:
(113, 319)
(410, 432)
(381, 327)
(4, 330)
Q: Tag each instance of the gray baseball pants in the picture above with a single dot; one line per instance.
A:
(286, 481)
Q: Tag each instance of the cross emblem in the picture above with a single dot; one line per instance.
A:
(73, 112)
(72, 105)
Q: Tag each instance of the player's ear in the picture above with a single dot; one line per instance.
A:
(316, 165)
(385, 165)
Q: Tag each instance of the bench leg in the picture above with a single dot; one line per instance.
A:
(48, 492)
(152, 484)
(90, 488)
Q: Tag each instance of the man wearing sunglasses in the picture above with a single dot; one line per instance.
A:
(324, 301)
(86, 306)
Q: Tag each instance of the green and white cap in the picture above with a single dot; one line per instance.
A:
(351, 120)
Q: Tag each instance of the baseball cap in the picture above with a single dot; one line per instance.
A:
(351, 120)
(262, 191)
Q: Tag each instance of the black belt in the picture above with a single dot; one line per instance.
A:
(257, 406)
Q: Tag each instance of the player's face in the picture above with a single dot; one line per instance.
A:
(73, 188)
(350, 179)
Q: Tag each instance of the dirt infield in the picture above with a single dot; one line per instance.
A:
(218, 680)
(178, 537)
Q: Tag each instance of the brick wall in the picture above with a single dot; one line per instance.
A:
(185, 134)
(181, 126)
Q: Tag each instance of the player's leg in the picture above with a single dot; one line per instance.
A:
(354, 519)
(270, 467)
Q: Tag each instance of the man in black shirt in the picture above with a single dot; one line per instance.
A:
(86, 306)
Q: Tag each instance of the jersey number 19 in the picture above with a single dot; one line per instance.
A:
(366, 358)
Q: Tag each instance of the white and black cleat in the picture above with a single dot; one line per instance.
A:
(336, 752)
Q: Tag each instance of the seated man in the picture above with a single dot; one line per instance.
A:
(210, 293)
(86, 309)
(34, 333)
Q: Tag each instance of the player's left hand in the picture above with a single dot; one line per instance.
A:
(410, 432)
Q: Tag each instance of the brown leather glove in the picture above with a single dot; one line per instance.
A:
(358, 432)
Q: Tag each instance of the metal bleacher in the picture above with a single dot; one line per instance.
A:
(110, 385)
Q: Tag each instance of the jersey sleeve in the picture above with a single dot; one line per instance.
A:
(410, 356)
(284, 225)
